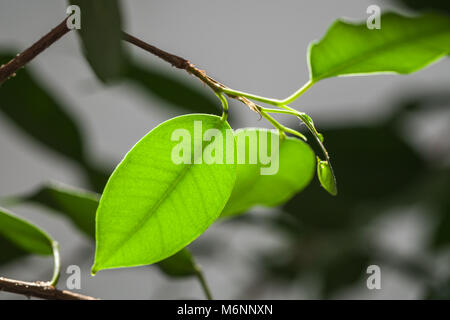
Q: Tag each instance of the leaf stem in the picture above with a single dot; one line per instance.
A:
(298, 93)
(285, 111)
(271, 101)
(57, 264)
(224, 101)
(279, 126)
(203, 283)
(237, 93)
(306, 120)
(314, 132)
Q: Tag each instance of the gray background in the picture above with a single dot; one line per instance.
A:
(258, 46)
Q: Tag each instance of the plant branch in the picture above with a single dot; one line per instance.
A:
(41, 290)
(9, 69)
(184, 64)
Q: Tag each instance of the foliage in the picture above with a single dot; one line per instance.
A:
(152, 208)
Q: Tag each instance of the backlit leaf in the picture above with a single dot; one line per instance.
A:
(293, 169)
(402, 45)
(79, 206)
(153, 207)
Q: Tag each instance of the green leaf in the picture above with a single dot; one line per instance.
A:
(24, 234)
(176, 92)
(32, 108)
(152, 207)
(79, 206)
(326, 176)
(101, 36)
(296, 166)
(28, 104)
(28, 238)
(180, 264)
(10, 251)
(437, 5)
(402, 45)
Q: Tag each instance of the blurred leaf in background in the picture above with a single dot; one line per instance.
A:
(27, 103)
(38, 113)
(423, 5)
(23, 237)
(79, 207)
(101, 37)
(10, 251)
(180, 94)
(378, 171)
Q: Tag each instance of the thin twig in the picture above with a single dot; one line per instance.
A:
(41, 290)
(9, 69)
(184, 64)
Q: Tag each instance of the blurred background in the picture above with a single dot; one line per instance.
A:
(388, 136)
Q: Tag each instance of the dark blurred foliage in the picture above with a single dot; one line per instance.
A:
(436, 5)
(44, 118)
(377, 171)
(9, 251)
(175, 92)
(101, 36)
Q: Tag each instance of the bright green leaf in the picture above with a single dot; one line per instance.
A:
(402, 45)
(152, 207)
(101, 36)
(326, 176)
(79, 206)
(296, 166)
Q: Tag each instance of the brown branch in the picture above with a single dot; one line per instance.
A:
(39, 290)
(181, 63)
(8, 70)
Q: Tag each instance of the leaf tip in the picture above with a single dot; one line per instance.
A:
(94, 270)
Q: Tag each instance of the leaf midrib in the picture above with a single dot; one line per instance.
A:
(155, 207)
